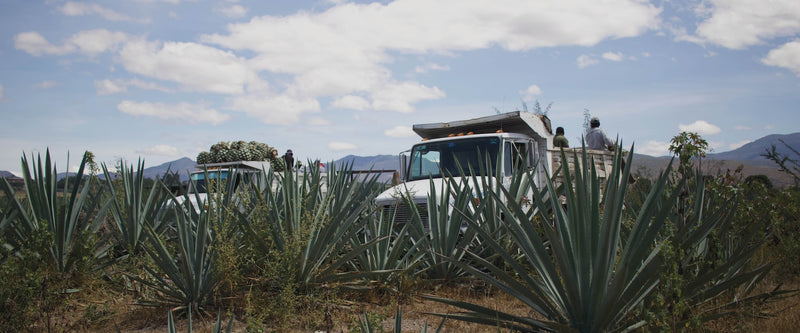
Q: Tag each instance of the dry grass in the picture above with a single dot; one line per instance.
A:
(103, 310)
(778, 315)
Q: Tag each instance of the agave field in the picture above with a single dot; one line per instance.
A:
(310, 251)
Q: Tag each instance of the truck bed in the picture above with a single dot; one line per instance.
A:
(603, 162)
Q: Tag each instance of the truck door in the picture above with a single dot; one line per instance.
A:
(517, 156)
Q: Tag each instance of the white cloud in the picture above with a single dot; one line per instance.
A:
(279, 109)
(318, 121)
(35, 44)
(193, 65)
(400, 132)
(181, 112)
(80, 9)
(427, 67)
(235, 11)
(110, 87)
(736, 24)
(786, 56)
(161, 150)
(45, 85)
(613, 56)
(531, 92)
(1, 92)
(585, 60)
(351, 102)
(360, 39)
(341, 146)
(88, 42)
(701, 127)
(399, 96)
(93, 42)
(421, 26)
(653, 148)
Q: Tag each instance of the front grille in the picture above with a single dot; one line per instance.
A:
(402, 214)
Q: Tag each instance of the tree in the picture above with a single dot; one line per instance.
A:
(688, 145)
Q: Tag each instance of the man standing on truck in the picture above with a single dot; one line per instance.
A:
(596, 137)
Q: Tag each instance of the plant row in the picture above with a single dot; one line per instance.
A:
(588, 256)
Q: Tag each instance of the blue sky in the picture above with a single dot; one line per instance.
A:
(163, 79)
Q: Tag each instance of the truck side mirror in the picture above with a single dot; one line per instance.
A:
(403, 165)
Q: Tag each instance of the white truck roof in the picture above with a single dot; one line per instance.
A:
(531, 124)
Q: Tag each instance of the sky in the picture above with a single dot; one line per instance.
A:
(165, 79)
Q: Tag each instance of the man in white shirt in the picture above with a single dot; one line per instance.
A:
(596, 137)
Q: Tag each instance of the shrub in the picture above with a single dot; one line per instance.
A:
(20, 300)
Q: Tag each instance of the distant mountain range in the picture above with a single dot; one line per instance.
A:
(183, 166)
(749, 156)
(377, 162)
(753, 150)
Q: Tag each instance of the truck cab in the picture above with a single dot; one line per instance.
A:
(507, 142)
(213, 177)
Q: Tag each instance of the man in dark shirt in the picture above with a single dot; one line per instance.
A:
(560, 140)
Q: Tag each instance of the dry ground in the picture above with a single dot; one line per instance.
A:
(101, 310)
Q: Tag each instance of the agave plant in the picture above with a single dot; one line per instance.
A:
(313, 215)
(132, 207)
(187, 279)
(446, 238)
(488, 213)
(68, 217)
(393, 253)
(578, 272)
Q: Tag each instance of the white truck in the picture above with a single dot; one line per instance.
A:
(209, 177)
(522, 139)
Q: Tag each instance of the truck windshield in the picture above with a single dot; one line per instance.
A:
(435, 159)
(199, 183)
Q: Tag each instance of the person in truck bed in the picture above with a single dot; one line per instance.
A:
(560, 140)
(596, 137)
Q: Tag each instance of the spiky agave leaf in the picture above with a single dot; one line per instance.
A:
(445, 236)
(187, 279)
(325, 211)
(132, 206)
(68, 217)
(584, 276)
(393, 253)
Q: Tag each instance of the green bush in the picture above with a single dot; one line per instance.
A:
(19, 301)
(783, 213)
